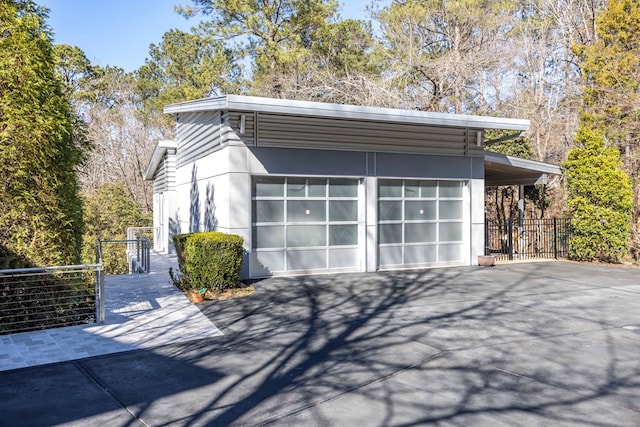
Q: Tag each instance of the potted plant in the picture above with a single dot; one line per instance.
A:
(197, 295)
(486, 260)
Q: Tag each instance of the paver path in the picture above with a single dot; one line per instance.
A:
(142, 311)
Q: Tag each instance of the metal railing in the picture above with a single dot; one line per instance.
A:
(138, 253)
(134, 233)
(546, 238)
(48, 297)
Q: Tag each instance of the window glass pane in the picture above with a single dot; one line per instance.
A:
(317, 188)
(451, 209)
(343, 188)
(265, 263)
(268, 187)
(296, 187)
(420, 254)
(420, 210)
(390, 233)
(419, 232)
(343, 258)
(428, 189)
(341, 235)
(390, 188)
(268, 211)
(305, 260)
(450, 253)
(306, 236)
(450, 189)
(306, 210)
(391, 255)
(450, 232)
(268, 237)
(342, 210)
(411, 189)
(389, 211)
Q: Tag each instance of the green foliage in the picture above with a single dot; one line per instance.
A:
(186, 66)
(209, 260)
(108, 212)
(44, 301)
(518, 147)
(274, 37)
(40, 144)
(600, 199)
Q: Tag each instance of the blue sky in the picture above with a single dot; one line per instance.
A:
(118, 32)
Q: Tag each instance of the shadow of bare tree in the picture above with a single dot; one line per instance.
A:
(460, 345)
(526, 344)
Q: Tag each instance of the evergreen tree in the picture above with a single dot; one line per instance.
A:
(600, 198)
(40, 145)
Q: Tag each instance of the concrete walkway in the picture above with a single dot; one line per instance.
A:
(142, 311)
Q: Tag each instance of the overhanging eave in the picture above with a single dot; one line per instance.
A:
(500, 169)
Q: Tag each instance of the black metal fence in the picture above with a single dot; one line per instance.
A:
(516, 239)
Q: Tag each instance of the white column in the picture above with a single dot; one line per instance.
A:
(476, 193)
(371, 223)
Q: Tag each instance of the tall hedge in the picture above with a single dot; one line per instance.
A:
(600, 199)
(40, 146)
(209, 260)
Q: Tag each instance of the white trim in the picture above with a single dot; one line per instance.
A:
(158, 153)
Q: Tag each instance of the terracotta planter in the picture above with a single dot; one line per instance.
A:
(197, 297)
(486, 260)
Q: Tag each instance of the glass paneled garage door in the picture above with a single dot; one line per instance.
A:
(420, 223)
(304, 224)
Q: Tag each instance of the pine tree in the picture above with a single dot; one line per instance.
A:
(40, 147)
(600, 198)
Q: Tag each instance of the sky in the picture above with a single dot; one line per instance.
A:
(119, 32)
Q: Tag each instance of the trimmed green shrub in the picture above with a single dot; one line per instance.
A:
(209, 260)
(600, 199)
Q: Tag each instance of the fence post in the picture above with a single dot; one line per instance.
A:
(555, 237)
(487, 247)
(510, 238)
(99, 292)
(148, 253)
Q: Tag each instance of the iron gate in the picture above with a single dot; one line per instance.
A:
(527, 238)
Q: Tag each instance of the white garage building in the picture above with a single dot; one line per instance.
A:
(317, 187)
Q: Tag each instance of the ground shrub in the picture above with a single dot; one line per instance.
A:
(209, 260)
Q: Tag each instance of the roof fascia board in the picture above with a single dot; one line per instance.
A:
(353, 112)
(521, 163)
(158, 153)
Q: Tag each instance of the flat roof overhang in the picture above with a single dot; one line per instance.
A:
(161, 147)
(342, 111)
(500, 169)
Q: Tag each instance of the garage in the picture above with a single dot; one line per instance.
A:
(304, 224)
(420, 223)
(315, 187)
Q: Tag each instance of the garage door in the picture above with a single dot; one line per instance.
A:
(420, 223)
(304, 224)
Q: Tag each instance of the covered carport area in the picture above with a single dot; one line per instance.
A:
(522, 238)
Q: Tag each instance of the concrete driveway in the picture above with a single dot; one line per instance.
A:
(549, 343)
